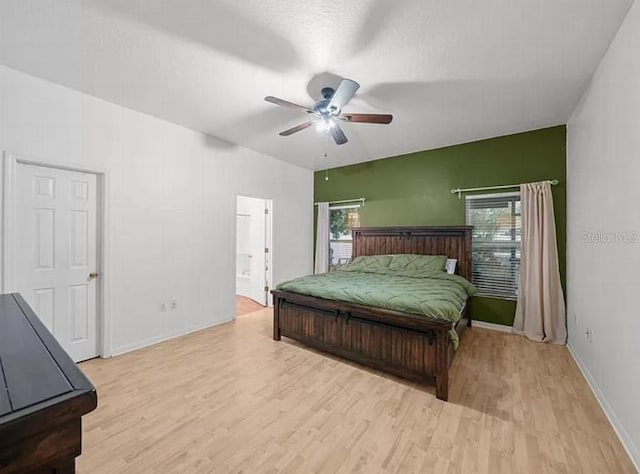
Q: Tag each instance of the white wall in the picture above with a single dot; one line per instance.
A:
(603, 194)
(172, 201)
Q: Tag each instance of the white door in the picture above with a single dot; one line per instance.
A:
(258, 247)
(55, 258)
(251, 249)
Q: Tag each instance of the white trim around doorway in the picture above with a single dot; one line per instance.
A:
(7, 234)
(268, 243)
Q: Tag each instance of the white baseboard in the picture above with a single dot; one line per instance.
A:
(622, 434)
(155, 340)
(492, 326)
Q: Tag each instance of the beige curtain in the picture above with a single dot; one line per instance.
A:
(540, 312)
(322, 239)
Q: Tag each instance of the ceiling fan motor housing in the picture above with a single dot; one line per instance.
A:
(327, 92)
(321, 107)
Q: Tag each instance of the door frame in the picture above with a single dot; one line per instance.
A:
(268, 237)
(8, 230)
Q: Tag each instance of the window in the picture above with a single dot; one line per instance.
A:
(341, 220)
(496, 243)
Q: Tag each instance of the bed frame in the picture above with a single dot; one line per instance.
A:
(411, 346)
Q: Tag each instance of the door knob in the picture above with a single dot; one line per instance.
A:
(93, 275)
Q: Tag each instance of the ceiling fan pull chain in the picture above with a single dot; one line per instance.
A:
(326, 159)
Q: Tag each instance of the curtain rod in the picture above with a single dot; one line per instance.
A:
(489, 188)
(362, 200)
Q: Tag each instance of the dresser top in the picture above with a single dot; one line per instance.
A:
(35, 372)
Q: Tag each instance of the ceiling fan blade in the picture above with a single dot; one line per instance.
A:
(345, 92)
(367, 118)
(297, 128)
(284, 103)
(338, 135)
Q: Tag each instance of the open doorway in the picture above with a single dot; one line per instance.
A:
(253, 254)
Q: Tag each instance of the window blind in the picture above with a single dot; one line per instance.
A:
(497, 233)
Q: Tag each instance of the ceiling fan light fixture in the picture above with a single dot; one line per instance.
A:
(325, 124)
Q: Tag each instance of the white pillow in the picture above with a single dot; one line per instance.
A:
(450, 266)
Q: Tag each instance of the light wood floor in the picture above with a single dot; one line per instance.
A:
(229, 399)
(246, 305)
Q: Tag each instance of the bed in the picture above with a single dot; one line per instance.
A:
(417, 347)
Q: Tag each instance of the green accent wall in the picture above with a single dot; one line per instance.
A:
(415, 189)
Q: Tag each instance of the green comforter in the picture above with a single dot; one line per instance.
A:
(436, 294)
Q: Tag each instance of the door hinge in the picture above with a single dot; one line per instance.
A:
(266, 289)
(266, 250)
(266, 211)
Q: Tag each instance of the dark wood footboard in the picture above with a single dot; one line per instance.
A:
(414, 347)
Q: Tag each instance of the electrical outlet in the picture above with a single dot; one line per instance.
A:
(163, 307)
(589, 334)
(173, 304)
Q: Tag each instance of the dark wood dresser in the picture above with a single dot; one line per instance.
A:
(43, 395)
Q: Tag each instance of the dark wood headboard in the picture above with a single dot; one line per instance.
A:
(454, 242)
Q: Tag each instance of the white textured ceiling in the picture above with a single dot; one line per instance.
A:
(449, 71)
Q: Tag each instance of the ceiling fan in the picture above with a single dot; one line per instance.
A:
(328, 111)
